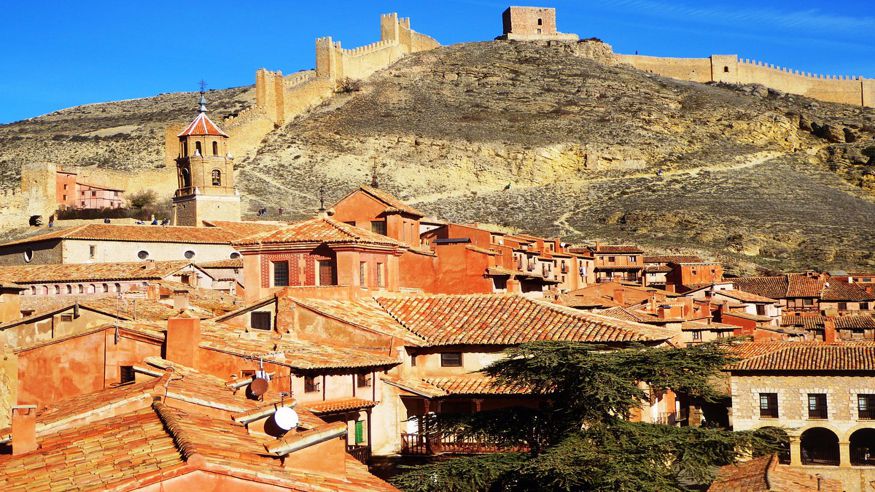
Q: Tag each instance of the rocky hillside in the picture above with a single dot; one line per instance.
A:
(547, 139)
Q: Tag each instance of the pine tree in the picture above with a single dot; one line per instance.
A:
(580, 437)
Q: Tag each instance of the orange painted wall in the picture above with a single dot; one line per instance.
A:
(360, 209)
(418, 271)
(78, 365)
(694, 274)
(461, 270)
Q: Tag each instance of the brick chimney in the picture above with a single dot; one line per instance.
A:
(180, 299)
(829, 330)
(620, 296)
(182, 340)
(23, 429)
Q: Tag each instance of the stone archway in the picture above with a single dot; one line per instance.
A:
(819, 446)
(863, 447)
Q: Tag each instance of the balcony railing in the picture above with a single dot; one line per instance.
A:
(421, 444)
(361, 453)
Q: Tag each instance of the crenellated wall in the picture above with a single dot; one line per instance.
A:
(282, 98)
(729, 68)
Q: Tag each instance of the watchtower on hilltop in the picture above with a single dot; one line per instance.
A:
(532, 24)
(205, 172)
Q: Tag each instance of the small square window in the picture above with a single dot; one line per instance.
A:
(451, 359)
(260, 320)
(126, 374)
(311, 384)
(363, 380)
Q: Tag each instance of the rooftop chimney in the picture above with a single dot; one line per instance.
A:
(182, 340)
(23, 429)
(620, 296)
(829, 330)
(180, 299)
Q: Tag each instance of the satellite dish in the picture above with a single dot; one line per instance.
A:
(258, 386)
(286, 418)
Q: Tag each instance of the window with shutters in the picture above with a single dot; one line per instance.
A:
(817, 408)
(327, 273)
(769, 405)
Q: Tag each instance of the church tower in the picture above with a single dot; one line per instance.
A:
(205, 173)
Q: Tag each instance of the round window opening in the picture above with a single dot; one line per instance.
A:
(28, 255)
(235, 255)
(143, 254)
(189, 254)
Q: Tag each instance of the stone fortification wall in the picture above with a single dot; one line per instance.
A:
(729, 68)
(281, 98)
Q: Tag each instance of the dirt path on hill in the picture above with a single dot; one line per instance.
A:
(750, 161)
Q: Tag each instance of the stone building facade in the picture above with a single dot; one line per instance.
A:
(822, 396)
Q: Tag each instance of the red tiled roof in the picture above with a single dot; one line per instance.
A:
(801, 285)
(608, 248)
(813, 357)
(338, 405)
(394, 204)
(364, 313)
(508, 319)
(297, 354)
(834, 290)
(764, 474)
(245, 228)
(771, 287)
(137, 233)
(436, 387)
(319, 230)
(229, 263)
(96, 456)
(130, 444)
(743, 296)
(672, 259)
(202, 125)
(83, 272)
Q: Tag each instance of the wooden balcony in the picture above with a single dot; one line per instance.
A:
(421, 444)
(359, 452)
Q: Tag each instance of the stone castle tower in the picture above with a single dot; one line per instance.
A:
(205, 173)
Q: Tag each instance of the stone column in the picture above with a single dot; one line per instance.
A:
(795, 451)
(844, 454)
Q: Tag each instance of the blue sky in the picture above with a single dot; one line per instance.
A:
(64, 53)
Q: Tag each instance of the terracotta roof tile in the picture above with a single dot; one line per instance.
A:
(672, 259)
(840, 291)
(297, 354)
(771, 287)
(138, 233)
(83, 272)
(437, 387)
(743, 296)
(365, 313)
(337, 405)
(245, 228)
(764, 474)
(801, 285)
(96, 456)
(229, 263)
(507, 320)
(394, 204)
(319, 230)
(609, 248)
(813, 357)
(202, 125)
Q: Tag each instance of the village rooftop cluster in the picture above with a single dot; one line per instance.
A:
(227, 354)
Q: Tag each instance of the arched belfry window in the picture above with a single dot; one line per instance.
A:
(197, 149)
(215, 148)
(186, 178)
(217, 177)
(185, 148)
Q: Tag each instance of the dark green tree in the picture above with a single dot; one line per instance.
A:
(580, 437)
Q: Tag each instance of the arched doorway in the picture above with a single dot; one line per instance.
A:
(863, 447)
(778, 437)
(819, 447)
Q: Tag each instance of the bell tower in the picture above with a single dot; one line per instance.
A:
(205, 173)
